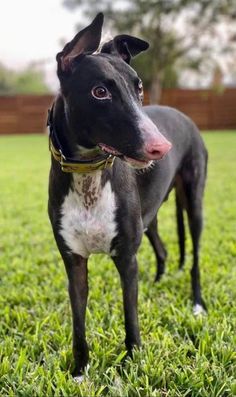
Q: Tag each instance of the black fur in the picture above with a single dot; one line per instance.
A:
(80, 119)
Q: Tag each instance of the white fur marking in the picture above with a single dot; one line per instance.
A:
(79, 379)
(88, 215)
(198, 309)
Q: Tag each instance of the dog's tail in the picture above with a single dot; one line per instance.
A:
(180, 229)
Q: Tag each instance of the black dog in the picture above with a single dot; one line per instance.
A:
(98, 201)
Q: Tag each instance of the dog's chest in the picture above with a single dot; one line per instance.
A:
(88, 215)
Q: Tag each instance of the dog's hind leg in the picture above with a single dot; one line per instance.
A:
(194, 196)
(195, 225)
(158, 246)
(180, 229)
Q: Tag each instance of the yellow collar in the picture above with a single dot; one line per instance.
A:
(82, 166)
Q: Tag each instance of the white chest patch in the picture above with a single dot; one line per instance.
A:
(88, 215)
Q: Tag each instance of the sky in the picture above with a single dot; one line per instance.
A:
(31, 30)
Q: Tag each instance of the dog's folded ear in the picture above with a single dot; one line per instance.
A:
(125, 46)
(85, 42)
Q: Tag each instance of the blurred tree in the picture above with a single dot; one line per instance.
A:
(181, 33)
(27, 81)
(6, 77)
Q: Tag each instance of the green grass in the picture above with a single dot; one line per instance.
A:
(181, 355)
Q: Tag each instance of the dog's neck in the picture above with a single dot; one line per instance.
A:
(69, 141)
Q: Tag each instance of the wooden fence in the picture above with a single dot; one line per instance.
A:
(210, 110)
(24, 114)
(27, 114)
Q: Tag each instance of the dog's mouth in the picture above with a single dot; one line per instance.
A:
(133, 162)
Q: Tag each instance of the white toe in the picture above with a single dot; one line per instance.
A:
(198, 309)
(79, 379)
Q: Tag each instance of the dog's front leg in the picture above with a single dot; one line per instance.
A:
(128, 271)
(78, 291)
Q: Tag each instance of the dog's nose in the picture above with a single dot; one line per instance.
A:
(157, 150)
(156, 145)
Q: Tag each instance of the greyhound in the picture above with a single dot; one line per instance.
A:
(113, 164)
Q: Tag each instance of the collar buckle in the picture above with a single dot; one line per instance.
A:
(109, 161)
(63, 157)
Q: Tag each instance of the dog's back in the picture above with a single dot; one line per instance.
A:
(188, 151)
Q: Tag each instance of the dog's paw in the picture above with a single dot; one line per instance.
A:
(198, 310)
(78, 379)
(80, 376)
(159, 276)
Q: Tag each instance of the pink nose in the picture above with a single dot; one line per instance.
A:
(156, 151)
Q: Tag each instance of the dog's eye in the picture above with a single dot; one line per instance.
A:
(101, 92)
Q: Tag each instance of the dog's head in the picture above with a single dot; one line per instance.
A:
(103, 97)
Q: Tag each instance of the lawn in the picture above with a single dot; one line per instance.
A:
(181, 355)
